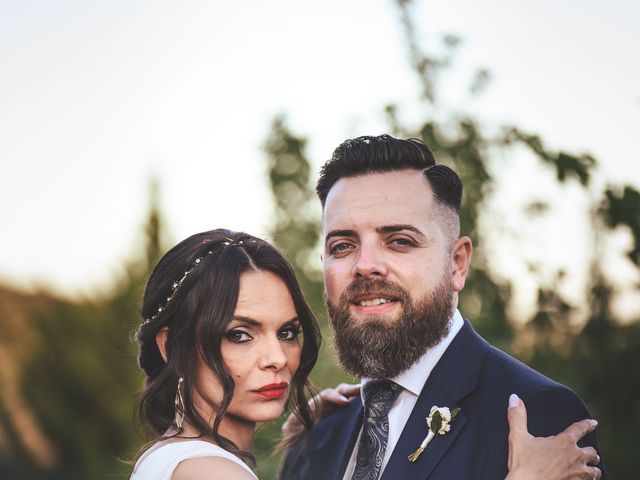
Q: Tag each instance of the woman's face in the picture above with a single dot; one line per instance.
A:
(260, 349)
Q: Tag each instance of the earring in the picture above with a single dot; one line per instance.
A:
(179, 404)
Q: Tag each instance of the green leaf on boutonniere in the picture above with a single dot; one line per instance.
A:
(439, 423)
(436, 421)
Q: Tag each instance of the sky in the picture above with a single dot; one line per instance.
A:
(97, 97)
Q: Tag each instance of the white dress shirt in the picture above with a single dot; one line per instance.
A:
(411, 380)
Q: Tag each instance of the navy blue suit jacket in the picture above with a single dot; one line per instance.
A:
(471, 375)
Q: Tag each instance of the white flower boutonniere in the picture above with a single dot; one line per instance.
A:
(439, 423)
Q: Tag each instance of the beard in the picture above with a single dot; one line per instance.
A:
(382, 347)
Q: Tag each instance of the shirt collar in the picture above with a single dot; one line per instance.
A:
(414, 378)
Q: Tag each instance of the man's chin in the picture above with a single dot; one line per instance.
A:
(385, 339)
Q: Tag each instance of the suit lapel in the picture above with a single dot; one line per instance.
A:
(454, 377)
(416, 430)
(333, 444)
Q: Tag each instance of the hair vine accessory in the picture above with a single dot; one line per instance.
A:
(229, 241)
(175, 286)
(179, 404)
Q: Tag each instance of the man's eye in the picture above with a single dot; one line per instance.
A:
(403, 242)
(339, 247)
(238, 336)
(289, 333)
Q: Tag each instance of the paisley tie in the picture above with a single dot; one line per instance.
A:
(378, 398)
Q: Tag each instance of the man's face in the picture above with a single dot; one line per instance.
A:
(386, 258)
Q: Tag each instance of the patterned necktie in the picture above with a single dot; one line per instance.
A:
(378, 399)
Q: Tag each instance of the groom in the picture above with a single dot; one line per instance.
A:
(394, 263)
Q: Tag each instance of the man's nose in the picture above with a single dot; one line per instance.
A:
(370, 263)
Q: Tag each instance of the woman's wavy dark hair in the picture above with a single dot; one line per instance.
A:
(197, 317)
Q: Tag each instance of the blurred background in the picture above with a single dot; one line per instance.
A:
(126, 126)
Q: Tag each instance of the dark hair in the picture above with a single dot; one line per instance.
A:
(197, 316)
(384, 153)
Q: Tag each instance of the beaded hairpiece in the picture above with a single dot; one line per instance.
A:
(175, 286)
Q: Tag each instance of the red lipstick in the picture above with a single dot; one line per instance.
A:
(273, 390)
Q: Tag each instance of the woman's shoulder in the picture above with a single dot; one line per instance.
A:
(210, 468)
(167, 459)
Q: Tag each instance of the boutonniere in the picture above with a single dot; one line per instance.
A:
(439, 422)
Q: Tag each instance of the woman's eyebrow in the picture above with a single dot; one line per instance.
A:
(247, 320)
(255, 323)
(293, 320)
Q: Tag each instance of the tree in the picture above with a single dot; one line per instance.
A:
(595, 355)
(74, 384)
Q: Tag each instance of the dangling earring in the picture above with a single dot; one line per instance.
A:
(179, 403)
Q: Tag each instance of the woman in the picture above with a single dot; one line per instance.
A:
(219, 346)
(226, 342)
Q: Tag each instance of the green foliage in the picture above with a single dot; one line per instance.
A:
(78, 384)
(605, 358)
(70, 382)
(566, 165)
(596, 356)
(78, 375)
(621, 209)
(296, 226)
(296, 232)
(461, 145)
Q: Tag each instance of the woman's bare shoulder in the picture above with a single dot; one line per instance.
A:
(210, 468)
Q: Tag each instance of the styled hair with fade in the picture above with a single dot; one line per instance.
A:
(384, 153)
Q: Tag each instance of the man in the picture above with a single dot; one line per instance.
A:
(394, 263)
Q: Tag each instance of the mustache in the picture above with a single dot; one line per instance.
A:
(368, 286)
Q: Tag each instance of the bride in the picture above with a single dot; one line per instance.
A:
(228, 341)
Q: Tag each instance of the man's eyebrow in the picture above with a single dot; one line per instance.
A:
(340, 233)
(399, 228)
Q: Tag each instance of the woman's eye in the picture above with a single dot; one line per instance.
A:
(289, 333)
(238, 336)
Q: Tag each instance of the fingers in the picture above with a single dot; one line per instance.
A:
(292, 426)
(595, 473)
(517, 416)
(333, 396)
(323, 404)
(330, 398)
(326, 397)
(591, 457)
(348, 389)
(579, 429)
(545, 457)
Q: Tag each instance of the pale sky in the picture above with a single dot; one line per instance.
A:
(97, 96)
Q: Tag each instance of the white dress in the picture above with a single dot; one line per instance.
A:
(159, 462)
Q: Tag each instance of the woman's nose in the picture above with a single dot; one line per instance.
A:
(273, 355)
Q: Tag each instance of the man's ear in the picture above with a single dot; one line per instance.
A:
(161, 342)
(461, 258)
